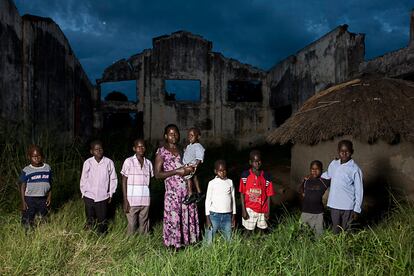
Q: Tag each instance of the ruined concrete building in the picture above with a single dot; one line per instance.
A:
(227, 110)
(219, 114)
(42, 84)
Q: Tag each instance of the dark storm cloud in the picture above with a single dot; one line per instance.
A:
(258, 32)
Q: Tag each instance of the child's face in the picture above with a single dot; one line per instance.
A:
(192, 136)
(315, 171)
(172, 136)
(97, 151)
(36, 159)
(256, 162)
(221, 171)
(139, 148)
(344, 154)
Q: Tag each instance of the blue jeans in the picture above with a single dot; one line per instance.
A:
(219, 222)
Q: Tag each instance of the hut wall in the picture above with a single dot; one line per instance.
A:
(384, 167)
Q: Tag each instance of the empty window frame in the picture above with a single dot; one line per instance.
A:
(183, 90)
(244, 91)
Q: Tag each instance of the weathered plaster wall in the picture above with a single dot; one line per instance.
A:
(383, 165)
(333, 58)
(396, 64)
(185, 56)
(11, 63)
(42, 84)
(59, 91)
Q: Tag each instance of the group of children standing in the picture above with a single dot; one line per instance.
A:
(98, 183)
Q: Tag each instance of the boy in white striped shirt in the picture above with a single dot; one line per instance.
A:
(136, 174)
(220, 204)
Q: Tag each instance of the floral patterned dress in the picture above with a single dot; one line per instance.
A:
(181, 226)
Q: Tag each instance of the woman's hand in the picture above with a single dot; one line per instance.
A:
(183, 171)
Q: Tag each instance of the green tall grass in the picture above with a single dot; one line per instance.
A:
(62, 247)
(65, 159)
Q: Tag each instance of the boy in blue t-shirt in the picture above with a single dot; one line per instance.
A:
(35, 181)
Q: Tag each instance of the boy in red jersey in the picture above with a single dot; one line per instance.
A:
(256, 188)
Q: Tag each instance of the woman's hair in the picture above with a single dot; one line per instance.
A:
(33, 148)
(171, 126)
(347, 144)
(317, 163)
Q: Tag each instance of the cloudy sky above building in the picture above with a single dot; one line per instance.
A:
(258, 32)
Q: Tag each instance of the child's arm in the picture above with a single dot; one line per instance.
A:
(49, 198)
(328, 174)
(267, 214)
(245, 215)
(126, 205)
(84, 177)
(207, 205)
(358, 184)
(301, 190)
(242, 190)
(233, 199)
(113, 181)
(22, 191)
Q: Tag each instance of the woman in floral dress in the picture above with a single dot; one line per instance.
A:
(180, 221)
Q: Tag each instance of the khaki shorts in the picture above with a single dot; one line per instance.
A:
(255, 219)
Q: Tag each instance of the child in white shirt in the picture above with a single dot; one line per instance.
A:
(220, 204)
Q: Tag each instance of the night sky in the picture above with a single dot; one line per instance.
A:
(257, 32)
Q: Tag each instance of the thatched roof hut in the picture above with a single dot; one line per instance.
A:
(367, 110)
(377, 114)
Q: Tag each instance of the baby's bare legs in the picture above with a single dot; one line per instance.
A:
(197, 183)
(190, 186)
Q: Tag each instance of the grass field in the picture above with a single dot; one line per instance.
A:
(62, 247)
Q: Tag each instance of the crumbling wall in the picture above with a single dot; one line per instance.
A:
(10, 62)
(185, 56)
(58, 89)
(333, 58)
(396, 64)
(42, 85)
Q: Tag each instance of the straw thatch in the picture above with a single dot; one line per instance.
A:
(366, 109)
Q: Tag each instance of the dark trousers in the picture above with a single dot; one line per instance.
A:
(35, 205)
(96, 214)
(341, 220)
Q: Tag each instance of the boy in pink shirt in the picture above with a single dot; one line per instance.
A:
(97, 184)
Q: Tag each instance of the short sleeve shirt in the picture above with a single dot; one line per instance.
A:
(256, 190)
(314, 188)
(138, 193)
(37, 179)
(192, 153)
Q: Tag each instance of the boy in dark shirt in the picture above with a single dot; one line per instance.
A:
(312, 190)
